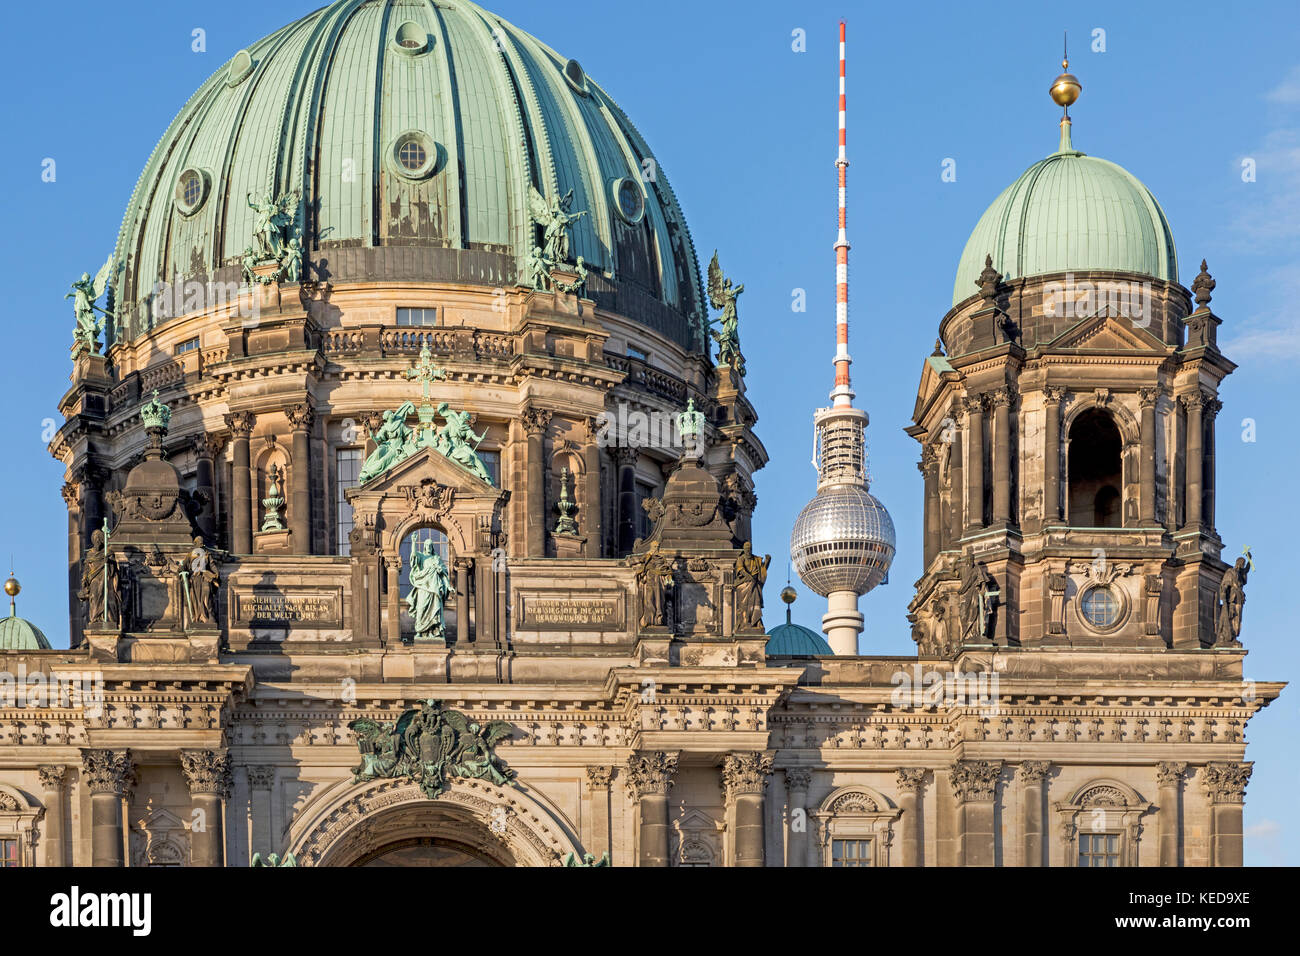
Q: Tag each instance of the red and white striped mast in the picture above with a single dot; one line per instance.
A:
(843, 393)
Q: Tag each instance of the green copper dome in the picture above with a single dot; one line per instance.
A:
(1070, 212)
(795, 640)
(411, 132)
(19, 635)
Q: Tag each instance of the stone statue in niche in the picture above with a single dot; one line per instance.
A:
(751, 575)
(978, 597)
(430, 584)
(201, 573)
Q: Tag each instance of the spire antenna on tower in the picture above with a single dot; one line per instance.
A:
(842, 543)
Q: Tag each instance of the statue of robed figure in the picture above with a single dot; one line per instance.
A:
(100, 585)
(1231, 603)
(751, 575)
(430, 585)
(978, 596)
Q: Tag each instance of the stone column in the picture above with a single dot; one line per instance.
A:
(300, 417)
(462, 600)
(744, 778)
(206, 449)
(1052, 395)
(261, 785)
(394, 565)
(108, 775)
(598, 780)
(1169, 779)
(55, 843)
(1004, 462)
(627, 504)
(975, 785)
(1212, 409)
(911, 780)
(799, 815)
(535, 422)
(1194, 404)
(929, 468)
(975, 463)
(241, 488)
(1033, 774)
(956, 487)
(1147, 497)
(1225, 786)
(589, 510)
(208, 774)
(649, 776)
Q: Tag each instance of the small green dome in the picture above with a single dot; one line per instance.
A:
(795, 640)
(19, 635)
(1070, 212)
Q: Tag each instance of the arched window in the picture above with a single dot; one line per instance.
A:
(1095, 471)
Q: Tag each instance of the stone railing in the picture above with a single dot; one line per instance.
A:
(643, 376)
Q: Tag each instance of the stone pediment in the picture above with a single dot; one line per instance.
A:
(1106, 332)
(426, 490)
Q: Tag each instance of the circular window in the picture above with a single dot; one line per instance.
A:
(414, 155)
(1100, 608)
(411, 38)
(629, 202)
(577, 78)
(191, 191)
(240, 67)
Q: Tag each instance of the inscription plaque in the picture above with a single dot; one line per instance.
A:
(288, 607)
(566, 611)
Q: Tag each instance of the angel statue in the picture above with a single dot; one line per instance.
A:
(454, 439)
(723, 295)
(555, 219)
(85, 292)
(391, 438)
(380, 746)
(472, 753)
(272, 222)
(430, 585)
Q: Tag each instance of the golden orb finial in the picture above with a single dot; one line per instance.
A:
(788, 594)
(1066, 87)
(12, 587)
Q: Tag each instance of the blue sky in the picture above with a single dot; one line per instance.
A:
(745, 129)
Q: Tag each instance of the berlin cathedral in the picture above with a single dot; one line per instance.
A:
(409, 477)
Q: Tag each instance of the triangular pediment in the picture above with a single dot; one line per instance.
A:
(1105, 332)
(932, 372)
(425, 465)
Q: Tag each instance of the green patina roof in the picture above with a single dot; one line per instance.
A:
(795, 640)
(19, 635)
(1070, 212)
(322, 109)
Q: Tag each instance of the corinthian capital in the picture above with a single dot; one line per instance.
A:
(1170, 773)
(207, 771)
(107, 771)
(1226, 782)
(1196, 399)
(1033, 771)
(911, 779)
(51, 777)
(1147, 396)
(241, 423)
(745, 773)
(535, 420)
(300, 415)
(650, 773)
(975, 780)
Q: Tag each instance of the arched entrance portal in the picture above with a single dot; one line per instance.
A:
(392, 823)
(427, 851)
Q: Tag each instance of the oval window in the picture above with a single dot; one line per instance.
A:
(240, 67)
(1100, 608)
(573, 72)
(191, 191)
(629, 202)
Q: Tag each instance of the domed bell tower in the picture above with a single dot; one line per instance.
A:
(1066, 423)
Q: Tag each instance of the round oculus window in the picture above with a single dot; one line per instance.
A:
(191, 191)
(240, 66)
(1100, 608)
(414, 155)
(629, 202)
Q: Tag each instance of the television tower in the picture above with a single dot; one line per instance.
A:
(842, 543)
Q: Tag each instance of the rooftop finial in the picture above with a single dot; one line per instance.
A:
(1065, 91)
